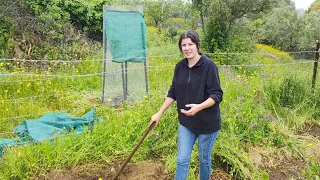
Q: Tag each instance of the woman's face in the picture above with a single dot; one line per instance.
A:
(189, 48)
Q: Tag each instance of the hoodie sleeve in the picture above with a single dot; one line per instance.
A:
(172, 90)
(213, 83)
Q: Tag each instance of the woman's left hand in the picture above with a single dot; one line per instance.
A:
(194, 108)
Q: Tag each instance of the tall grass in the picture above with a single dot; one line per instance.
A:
(263, 106)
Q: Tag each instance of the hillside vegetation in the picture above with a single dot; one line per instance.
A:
(51, 61)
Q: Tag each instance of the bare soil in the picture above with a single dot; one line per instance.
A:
(312, 129)
(291, 168)
(133, 171)
(287, 169)
(145, 170)
(220, 174)
(278, 168)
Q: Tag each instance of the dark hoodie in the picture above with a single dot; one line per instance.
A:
(193, 86)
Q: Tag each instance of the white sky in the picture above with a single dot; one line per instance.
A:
(303, 3)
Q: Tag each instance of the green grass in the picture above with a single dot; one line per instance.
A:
(263, 106)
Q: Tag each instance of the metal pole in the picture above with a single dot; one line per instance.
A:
(104, 63)
(146, 77)
(315, 68)
(126, 76)
(123, 83)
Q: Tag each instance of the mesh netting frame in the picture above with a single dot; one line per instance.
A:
(107, 57)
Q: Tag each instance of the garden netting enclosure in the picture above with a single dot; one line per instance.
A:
(124, 54)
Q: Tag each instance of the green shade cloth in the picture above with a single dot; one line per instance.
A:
(126, 35)
(48, 127)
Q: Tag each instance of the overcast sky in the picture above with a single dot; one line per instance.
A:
(303, 3)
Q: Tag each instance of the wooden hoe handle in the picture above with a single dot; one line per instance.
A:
(134, 150)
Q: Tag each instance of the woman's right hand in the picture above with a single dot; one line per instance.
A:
(155, 119)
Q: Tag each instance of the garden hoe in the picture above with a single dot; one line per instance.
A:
(134, 150)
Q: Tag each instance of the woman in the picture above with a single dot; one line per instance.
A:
(196, 89)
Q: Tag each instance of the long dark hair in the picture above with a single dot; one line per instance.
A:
(193, 35)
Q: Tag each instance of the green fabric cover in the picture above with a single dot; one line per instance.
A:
(126, 35)
(48, 127)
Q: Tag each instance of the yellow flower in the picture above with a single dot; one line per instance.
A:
(100, 179)
(309, 145)
(19, 153)
(246, 157)
(109, 100)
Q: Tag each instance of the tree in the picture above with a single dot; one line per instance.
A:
(156, 12)
(49, 27)
(84, 15)
(315, 6)
(200, 6)
(309, 33)
(220, 15)
(281, 28)
(15, 21)
(240, 8)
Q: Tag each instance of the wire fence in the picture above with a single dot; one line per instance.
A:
(31, 88)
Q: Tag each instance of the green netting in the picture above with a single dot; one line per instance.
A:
(126, 35)
(48, 127)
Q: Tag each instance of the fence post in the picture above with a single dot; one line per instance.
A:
(315, 67)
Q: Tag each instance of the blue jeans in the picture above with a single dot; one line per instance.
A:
(186, 140)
